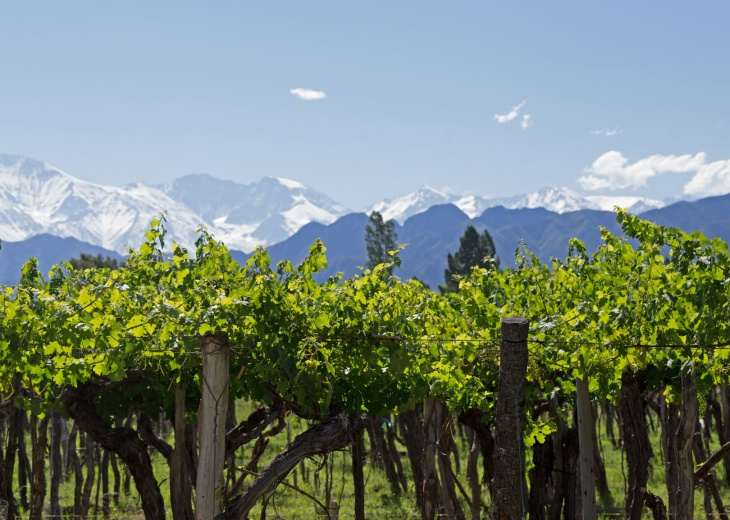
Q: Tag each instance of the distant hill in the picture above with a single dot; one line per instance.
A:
(429, 236)
(434, 233)
(710, 215)
(48, 249)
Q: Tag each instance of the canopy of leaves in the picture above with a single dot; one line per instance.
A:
(655, 298)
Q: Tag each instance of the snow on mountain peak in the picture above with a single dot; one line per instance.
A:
(38, 198)
(469, 205)
(401, 208)
(558, 200)
(292, 185)
(634, 204)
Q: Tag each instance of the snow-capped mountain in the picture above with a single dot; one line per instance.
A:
(636, 205)
(38, 198)
(408, 205)
(559, 200)
(564, 200)
(265, 212)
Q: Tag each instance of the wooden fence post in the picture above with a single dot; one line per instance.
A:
(585, 443)
(430, 484)
(681, 419)
(212, 427)
(510, 493)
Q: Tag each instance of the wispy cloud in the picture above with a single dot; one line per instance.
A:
(711, 179)
(308, 94)
(613, 171)
(526, 121)
(608, 132)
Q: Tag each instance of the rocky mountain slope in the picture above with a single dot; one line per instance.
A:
(37, 198)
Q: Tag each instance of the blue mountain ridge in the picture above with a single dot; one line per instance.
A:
(49, 250)
(429, 237)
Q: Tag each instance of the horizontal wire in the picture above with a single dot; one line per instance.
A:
(718, 346)
(714, 346)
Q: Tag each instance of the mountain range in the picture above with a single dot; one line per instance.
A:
(430, 235)
(40, 205)
(38, 198)
(558, 200)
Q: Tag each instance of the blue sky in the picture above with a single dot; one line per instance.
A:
(620, 97)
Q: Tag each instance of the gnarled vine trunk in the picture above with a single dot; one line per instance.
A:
(180, 485)
(712, 493)
(476, 419)
(409, 423)
(39, 439)
(358, 459)
(543, 457)
(448, 482)
(472, 475)
(681, 419)
(636, 440)
(56, 460)
(9, 466)
(79, 404)
(326, 437)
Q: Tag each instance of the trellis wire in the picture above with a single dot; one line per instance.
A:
(724, 345)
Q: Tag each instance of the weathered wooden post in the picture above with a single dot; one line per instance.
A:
(681, 419)
(510, 496)
(212, 427)
(430, 484)
(585, 446)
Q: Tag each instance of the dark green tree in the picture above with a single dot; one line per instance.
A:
(380, 238)
(474, 250)
(89, 261)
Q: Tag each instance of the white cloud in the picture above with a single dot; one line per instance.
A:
(506, 118)
(711, 179)
(608, 132)
(613, 171)
(307, 94)
(513, 114)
